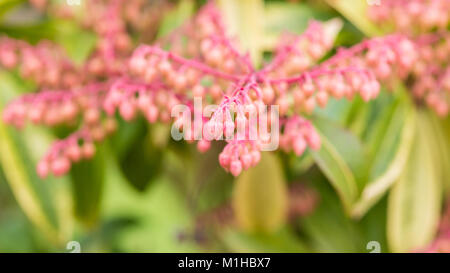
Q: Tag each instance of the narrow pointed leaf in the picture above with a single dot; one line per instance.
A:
(389, 145)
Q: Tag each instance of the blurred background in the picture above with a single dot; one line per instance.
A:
(144, 192)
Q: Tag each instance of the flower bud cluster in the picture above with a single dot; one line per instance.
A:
(426, 22)
(412, 16)
(210, 66)
(51, 108)
(154, 101)
(239, 156)
(44, 63)
(78, 146)
(431, 75)
(297, 135)
(296, 53)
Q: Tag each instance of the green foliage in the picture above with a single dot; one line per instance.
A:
(415, 201)
(19, 154)
(140, 159)
(260, 197)
(87, 179)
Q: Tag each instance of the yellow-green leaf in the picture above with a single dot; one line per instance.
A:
(390, 145)
(414, 203)
(356, 12)
(260, 196)
(342, 160)
(45, 202)
(245, 20)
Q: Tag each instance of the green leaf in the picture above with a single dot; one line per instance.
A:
(260, 196)
(282, 241)
(440, 128)
(281, 17)
(45, 202)
(356, 12)
(389, 144)
(342, 159)
(348, 146)
(87, 177)
(328, 227)
(7, 5)
(415, 200)
(245, 19)
(175, 18)
(77, 42)
(140, 159)
(160, 213)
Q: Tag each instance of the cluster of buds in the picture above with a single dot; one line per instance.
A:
(431, 74)
(238, 156)
(114, 42)
(153, 101)
(412, 15)
(352, 71)
(296, 53)
(426, 23)
(106, 19)
(45, 63)
(78, 146)
(210, 67)
(298, 134)
(52, 108)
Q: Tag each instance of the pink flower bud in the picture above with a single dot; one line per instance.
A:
(198, 91)
(235, 167)
(313, 140)
(138, 64)
(203, 145)
(36, 114)
(308, 89)
(69, 110)
(383, 70)
(256, 157)
(60, 166)
(127, 110)
(246, 160)
(322, 98)
(224, 160)
(109, 107)
(143, 101)
(151, 113)
(42, 169)
(165, 67)
(366, 91)
(73, 152)
(91, 116)
(88, 150)
(299, 146)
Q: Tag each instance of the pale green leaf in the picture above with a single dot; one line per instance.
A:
(260, 196)
(415, 200)
(389, 145)
(342, 159)
(356, 12)
(175, 18)
(45, 202)
(245, 20)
